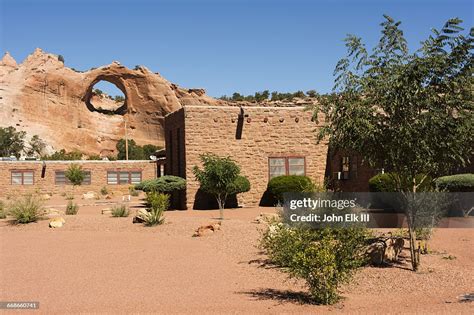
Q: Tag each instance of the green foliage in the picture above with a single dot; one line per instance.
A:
(3, 215)
(97, 92)
(61, 58)
(408, 112)
(456, 183)
(288, 183)
(217, 177)
(27, 209)
(72, 208)
(312, 93)
(119, 99)
(135, 152)
(241, 184)
(157, 204)
(392, 182)
(75, 174)
(324, 258)
(163, 184)
(11, 142)
(104, 191)
(132, 191)
(36, 146)
(62, 155)
(120, 211)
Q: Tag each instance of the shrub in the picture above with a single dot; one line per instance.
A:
(27, 209)
(324, 258)
(387, 182)
(288, 183)
(241, 184)
(104, 191)
(120, 211)
(158, 203)
(3, 215)
(132, 191)
(72, 208)
(75, 174)
(163, 184)
(456, 183)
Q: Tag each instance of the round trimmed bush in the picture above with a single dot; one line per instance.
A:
(164, 184)
(288, 183)
(241, 185)
(456, 183)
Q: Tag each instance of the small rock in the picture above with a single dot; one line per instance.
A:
(89, 195)
(207, 229)
(57, 222)
(266, 218)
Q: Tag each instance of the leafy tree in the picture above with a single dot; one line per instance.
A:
(97, 92)
(312, 93)
(135, 151)
(75, 174)
(408, 112)
(11, 141)
(62, 155)
(119, 99)
(61, 58)
(149, 149)
(218, 178)
(36, 146)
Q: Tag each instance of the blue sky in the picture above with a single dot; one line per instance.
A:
(222, 46)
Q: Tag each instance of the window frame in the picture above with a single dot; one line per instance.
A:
(118, 171)
(345, 175)
(22, 171)
(67, 182)
(287, 164)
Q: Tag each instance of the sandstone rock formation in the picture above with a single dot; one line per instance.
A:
(42, 96)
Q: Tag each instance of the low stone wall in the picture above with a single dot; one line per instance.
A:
(44, 176)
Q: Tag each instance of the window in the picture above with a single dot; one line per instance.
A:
(345, 167)
(123, 177)
(278, 166)
(60, 178)
(24, 177)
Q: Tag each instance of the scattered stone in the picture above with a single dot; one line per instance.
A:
(106, 211)
(108, 197)
(45, 196)
(207, 229)
(57, 222)
(385, 250)
(89, 195)
(266, 218)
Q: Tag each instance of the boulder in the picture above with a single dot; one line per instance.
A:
(89, 195)
(57, 222)
(208, 229)
(384, 250)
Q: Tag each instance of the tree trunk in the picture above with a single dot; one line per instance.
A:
(221, 203)
(414, 252)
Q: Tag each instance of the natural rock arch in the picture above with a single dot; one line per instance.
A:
(115, 80)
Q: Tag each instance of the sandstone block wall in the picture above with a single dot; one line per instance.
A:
(265, 132)
(47, 183)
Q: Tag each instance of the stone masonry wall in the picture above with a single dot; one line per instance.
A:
(47, 184)
(266, 132)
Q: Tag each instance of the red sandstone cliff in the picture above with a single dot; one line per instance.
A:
(42, 96)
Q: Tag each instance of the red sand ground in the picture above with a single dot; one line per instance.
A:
(100, 264)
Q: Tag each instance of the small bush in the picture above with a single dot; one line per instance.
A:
(27, 209)
(292, 183)
(163, 184)
(456, 183)
(120, 211)
(3, 215)
(387, 182)
(324, 258)
(132, 191)
(104, 191)
(241, 185)
(72, 208)
(158, 203)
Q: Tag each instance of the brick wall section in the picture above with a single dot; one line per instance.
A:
(47, 184)
(266, 132)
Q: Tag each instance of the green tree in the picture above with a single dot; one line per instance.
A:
(218, 178)
(135, 152)
(408, 112)
(149, 149)
(36, 146)
(75, 174)
(11, 142)
(62, 155)
(312, 93)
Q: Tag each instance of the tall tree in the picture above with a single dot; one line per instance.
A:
(409, 112)
(11, 142)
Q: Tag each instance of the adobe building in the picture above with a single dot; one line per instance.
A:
(22, 177)
(264, 141)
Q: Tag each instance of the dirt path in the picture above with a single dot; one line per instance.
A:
(100, 264)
